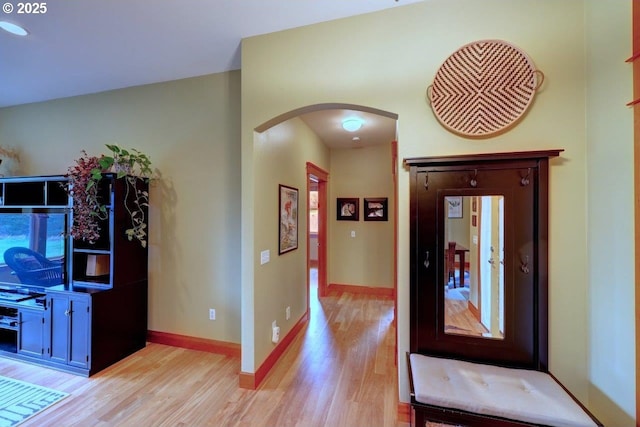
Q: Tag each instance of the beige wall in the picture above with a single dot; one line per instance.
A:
(610, 207)
(367, 258)
(281, 155)
(457, 229)
(405, 47)
(190, 129)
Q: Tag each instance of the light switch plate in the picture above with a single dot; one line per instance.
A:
(264, 257)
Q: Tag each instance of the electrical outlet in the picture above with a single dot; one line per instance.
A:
(275, 332)
(288, 312)
(212, 314)
(265, 256)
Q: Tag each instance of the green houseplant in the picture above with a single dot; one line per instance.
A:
(131, 165)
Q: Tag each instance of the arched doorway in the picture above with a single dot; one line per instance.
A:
(277, 156)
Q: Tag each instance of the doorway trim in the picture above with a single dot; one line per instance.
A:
(322, 177)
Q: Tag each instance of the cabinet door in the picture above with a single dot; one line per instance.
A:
(79, 331)
(58, 328)
(31, 332)
(69, 327)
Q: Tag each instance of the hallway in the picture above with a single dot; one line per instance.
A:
(338, 371)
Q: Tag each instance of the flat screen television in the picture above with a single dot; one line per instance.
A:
(33, 247)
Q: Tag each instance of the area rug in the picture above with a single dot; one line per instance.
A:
(20, 401)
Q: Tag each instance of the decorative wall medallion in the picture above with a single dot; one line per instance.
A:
(483, 88)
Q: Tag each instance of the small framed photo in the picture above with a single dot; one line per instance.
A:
(288, 197)
(376, 209)
(454, 206)
(347, 209)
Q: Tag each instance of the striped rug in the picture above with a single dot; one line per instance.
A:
(20, 400)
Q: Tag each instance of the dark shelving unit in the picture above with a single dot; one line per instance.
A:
(97, 315)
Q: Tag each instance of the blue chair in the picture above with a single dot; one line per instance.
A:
(33, 268)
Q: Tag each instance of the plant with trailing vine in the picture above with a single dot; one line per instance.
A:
(131, 165)
(87, 209)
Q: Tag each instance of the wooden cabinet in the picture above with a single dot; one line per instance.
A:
(96, 313)
(33, 191)
(87, 330)
(31, 332)
(113, 260)
(496, 206)
(68, 327)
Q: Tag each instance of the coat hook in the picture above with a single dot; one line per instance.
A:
(524, 181)
(524, 265)
(474, 181)
(491, 260)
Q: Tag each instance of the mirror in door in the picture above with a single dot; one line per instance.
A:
(474, 266)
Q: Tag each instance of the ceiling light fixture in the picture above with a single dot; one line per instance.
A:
(13, 28)
(352, 124)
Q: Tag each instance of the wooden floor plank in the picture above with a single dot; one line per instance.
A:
(338, 371)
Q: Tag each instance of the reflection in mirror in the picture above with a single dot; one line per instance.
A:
(474, 266)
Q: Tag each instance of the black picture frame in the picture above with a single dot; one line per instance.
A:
(288, 219)
(376, 209)
(348, 209)
(454, 206)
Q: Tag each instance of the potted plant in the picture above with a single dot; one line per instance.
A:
(131, 165)
(87, 210)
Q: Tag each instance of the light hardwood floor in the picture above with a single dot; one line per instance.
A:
(339, 371)
(458, 319)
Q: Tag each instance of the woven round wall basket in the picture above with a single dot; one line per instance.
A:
(483, 88)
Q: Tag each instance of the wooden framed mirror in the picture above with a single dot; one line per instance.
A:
(479, 257)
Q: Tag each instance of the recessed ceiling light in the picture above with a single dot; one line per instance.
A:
(13, 28)
(352, 124)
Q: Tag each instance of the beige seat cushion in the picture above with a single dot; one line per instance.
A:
(517, 394)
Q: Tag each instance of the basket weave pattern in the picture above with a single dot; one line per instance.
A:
(483, 88)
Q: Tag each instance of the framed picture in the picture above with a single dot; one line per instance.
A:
(288, 239)
(375, 209)
(313, 200)
(454, 206)
(347, 209)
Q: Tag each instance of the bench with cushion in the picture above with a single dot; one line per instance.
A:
(449, 390)
(473, 379)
